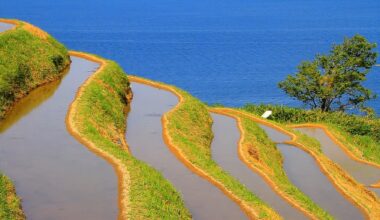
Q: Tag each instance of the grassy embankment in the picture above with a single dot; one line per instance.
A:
(187, 132)
(29, 57)
(97, 118)
(262, 156)
(10, 204)
(359, 136)
(354, 191)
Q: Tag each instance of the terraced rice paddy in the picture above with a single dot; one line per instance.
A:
(56, 176)
(144, 135)
(225, 153)
(305, 173)
(59, 178)
(364, 173)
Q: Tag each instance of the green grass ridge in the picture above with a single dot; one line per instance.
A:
(10, 204)
(190, 127)
(266, 151)
(360, 134)
(101, 118)
(27, 61)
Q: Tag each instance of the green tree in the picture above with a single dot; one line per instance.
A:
(334, 82)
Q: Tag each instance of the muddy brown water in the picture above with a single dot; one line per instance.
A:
(362, 172)
(225, 153)
(304, 172)
(5, 26)
(56, 177)
(144, 136)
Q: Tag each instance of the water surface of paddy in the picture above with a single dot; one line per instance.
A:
(225, 153)
(144, 136)
(56, 176)
(376, 190)
(362, 172)
(305, 173)
(5, 26)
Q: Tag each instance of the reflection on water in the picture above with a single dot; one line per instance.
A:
(225, 153)
(305, 173)
(144, 136)
(5, 26)
(362, 172)
(56, 177)
(28, 103)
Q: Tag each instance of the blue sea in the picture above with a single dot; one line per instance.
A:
(222, 51)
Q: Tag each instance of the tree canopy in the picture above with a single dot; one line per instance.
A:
(333, 82)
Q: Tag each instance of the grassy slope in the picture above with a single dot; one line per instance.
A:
(190, 130)
(265, 156)
(29, 57)
(361, 135)
(101, 118)
(10, 204)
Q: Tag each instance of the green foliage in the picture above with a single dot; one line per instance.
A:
(10, 204)
(27, 61)
(356, 132)
(101, 118)
(58, 61)
(334, 81)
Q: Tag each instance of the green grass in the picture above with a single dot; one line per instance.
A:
(10, 204)
(267, 158)
(360, 134)
(27, 61)
(101, 118)
(190, 129)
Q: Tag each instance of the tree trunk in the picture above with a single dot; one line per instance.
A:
(325, 107)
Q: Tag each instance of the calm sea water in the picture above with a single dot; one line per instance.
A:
(222, 51)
